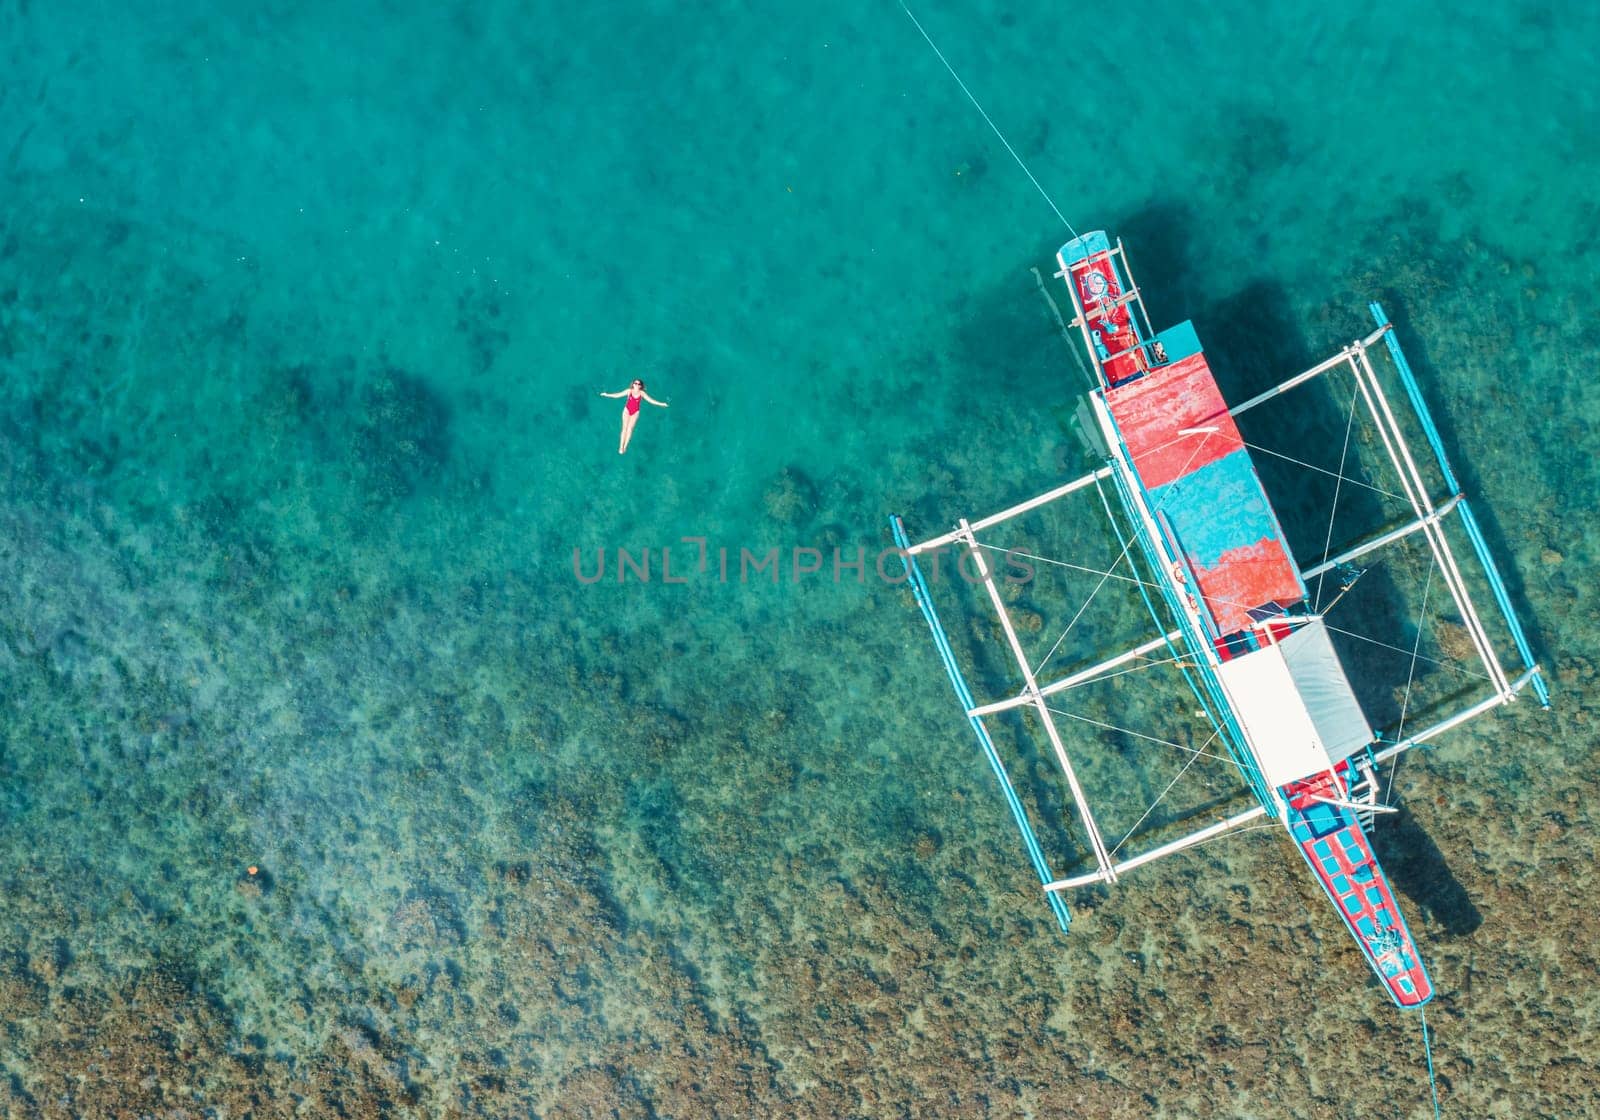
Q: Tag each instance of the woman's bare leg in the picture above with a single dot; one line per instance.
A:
(629, 419)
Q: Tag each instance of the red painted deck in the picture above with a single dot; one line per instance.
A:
(1109, 322)
(1192, 460)
(1152, 411)
(1245, 577)
(1341, 857)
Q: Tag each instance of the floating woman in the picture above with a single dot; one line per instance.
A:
(630, 411)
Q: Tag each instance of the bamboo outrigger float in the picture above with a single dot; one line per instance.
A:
(1231, 607)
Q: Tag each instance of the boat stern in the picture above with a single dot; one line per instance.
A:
(1339, 853)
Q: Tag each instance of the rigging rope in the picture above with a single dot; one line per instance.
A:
(1163, 796)
(1106, 575)
(1434, 661)
(1405, 702)
(1063, 563)
(1042, 192)
(1144, 583)
(1136, 667)
(1333, 507)
(1140, 735)
(1320, 470)
(1123, 555)
(1235, 832)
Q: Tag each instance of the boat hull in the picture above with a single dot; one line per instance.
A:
(1340, 855)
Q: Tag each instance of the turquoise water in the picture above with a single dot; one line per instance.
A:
(303, 321)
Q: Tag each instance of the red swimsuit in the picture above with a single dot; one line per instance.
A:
(632, 407)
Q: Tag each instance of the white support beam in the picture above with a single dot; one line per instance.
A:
(1178, 845)
(1080, 677)
(1390, 537)
(1046, 498)
(1416, 492)
(1096, 842)
(1456, 720)
(1315, 371)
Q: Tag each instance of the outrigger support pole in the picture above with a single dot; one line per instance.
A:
(1301, 378)
(935, 543)
(1378, 542)
(1416, 492)
(1392, 749)
(1082, 676)
(1496, 584)
(1097, 843)
(919, 591)
(1199, 836)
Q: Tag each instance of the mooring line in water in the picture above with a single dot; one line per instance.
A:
(1043, 193)
(1427, 1048)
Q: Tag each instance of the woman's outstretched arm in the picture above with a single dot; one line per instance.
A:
(651, 399)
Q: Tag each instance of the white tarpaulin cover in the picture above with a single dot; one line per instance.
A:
(1340, 723)
(1295, 705)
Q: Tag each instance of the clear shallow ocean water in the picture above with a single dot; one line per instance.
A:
(303, 318)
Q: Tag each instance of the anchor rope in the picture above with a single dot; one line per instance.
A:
(996, 128)
(1427, 1048)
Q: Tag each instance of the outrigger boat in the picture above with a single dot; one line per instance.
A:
(1230, 604)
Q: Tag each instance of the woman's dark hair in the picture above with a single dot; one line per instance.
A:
(639, 381)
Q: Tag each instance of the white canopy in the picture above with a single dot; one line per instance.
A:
(1295, 705)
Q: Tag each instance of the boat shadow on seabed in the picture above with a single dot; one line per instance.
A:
(1418, 870)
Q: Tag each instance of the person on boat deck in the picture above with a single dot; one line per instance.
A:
(630, 409)
(1100, 301)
